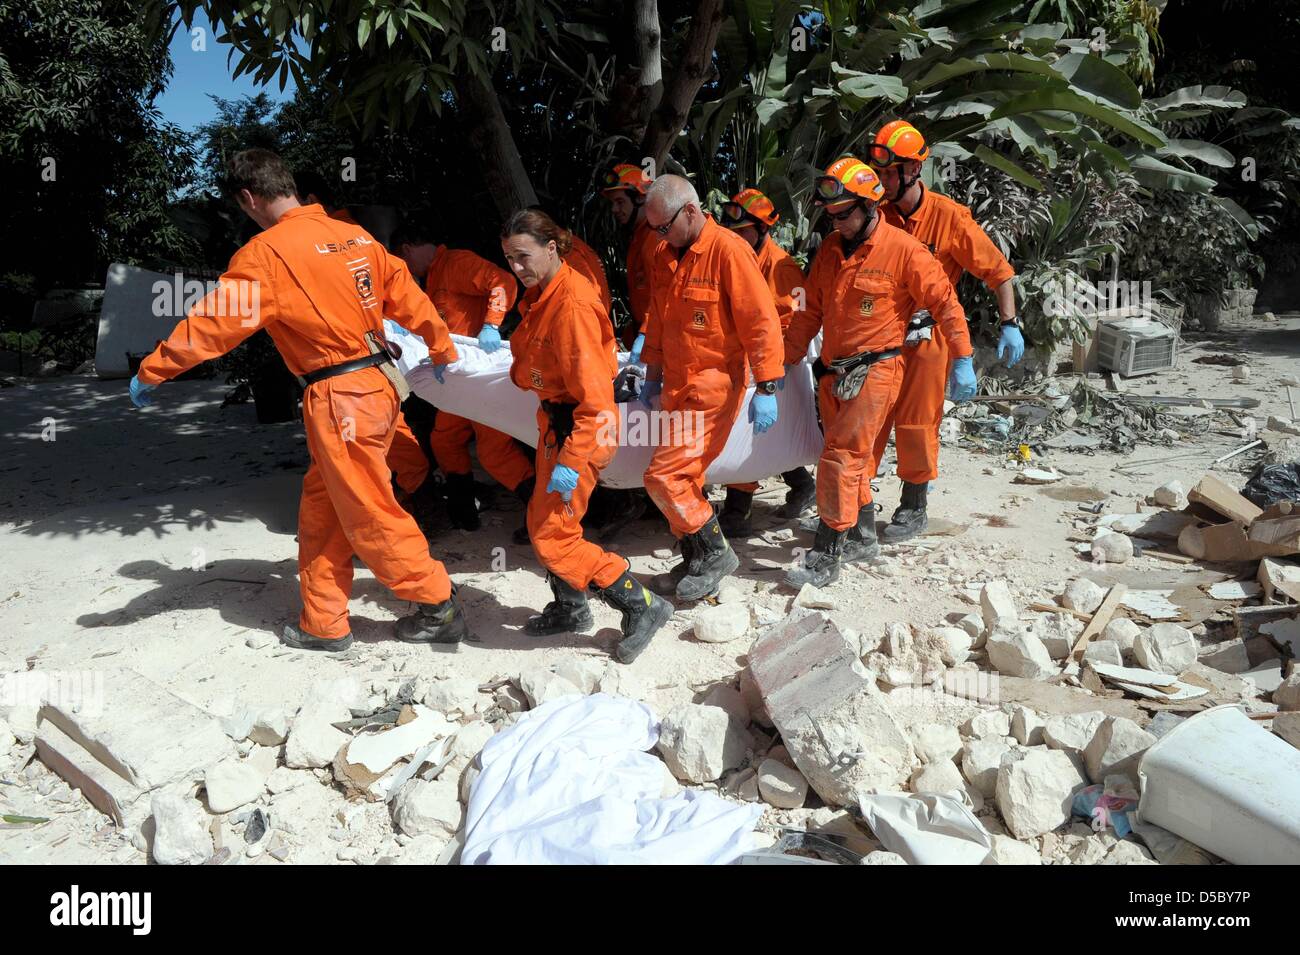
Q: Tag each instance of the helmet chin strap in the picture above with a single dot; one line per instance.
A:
(904, 184)
(761, 230)
(871, 211)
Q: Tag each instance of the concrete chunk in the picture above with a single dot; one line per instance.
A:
(1116, 748)
(1018, 652)
(1035, 789)
(1083, 595)
(1072, 732)
(1026, 726)
(997, 605)
(1166, 648)
(700, 743)
(838, 727)
(721, 624)
(781, 785)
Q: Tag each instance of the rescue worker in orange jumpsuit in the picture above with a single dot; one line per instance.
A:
(948, 230)
(584, 260)
(625, 188)
(866, 282)
(563, 350)
(320, 287)
(473, 296)
(713, 320)
(406, 458)
(750, 214)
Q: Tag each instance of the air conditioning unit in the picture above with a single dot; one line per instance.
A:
(1135, 346)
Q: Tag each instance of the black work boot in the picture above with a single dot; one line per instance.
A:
(567, 613)
(666, 584)
(801, 496)
(735, 513)
(434, 623)
(909, 520)
(643, 614)
(821, 565)
(711, 560)
(462, 506)
(525, 493)
(302, 640)
(861, 542)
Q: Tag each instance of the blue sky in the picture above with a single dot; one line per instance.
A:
(185, 102)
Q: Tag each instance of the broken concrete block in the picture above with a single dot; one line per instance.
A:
(956, 644)
(1112, 548)
(1018, 652)
(836, 724)
(1280, 580)
(1165, 648)
(936, 742)
(423, 808)
(144, 733)
(1215, 494)
(1083, 595)
(973, 624)
(621, 681)
(728, 698)
(941, 777)
(235, 783)
(582, 672)
(980, 760)
(362, 765)
(1121, 632)
(1172, 495)
(1072, 732)
(753, 698)
(1116, 748)
(180, 828)
(1230, 656)
(996, 605)
(721, 624)
(1026, 726)
(270, 727)
(991, 723)
(814, 599)
(458, 696)
(700, 743)
(781, 785)
(881, 857)
(1035, 788)
(1103, 651)
(1287, 726)
(1287, 694)
(23, 722)
(1128, 853)
(1008, 851)
(313, 741)
(511, 699)
(541, 685)
(1058, 631)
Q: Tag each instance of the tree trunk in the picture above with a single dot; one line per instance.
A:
(640, 86)
(695, 67)
(494, 144)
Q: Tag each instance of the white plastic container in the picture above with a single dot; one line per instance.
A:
(1226, 784)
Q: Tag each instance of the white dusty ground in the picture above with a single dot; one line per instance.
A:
(163, 540)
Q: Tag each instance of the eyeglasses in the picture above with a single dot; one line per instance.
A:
(841, 216)
(664, 229)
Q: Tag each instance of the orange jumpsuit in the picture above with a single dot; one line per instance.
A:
(714, 319)
(320, 286)
(564, 351)
(467, 290)
(640, 268)
(405, 456)
(586, 262)
(863, 304)
(948, 230)
(783, 276)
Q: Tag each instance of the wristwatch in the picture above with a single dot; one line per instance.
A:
(765, 388)
(1013, 320)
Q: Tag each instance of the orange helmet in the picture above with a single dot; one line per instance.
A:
(848, 180)
(898, 141)
(746, 208)
(624, 175)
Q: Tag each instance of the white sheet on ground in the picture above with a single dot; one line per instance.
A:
(478, 387)
(573, 783)
(927, 829)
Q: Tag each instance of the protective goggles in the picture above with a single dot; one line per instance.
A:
(830, 189)
(880, 155)
(734, 215)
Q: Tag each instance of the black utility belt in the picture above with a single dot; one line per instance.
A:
(841, 365)
(357, 364)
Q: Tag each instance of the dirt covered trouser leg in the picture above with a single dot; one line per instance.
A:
(848, 462)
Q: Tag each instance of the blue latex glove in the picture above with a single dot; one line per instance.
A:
(489, 339)
(635, 354)
(564, 481)
(1011, 343)
(962, 382)
(649, 390)
(140, 393)
(762, 412)
(437, 373)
